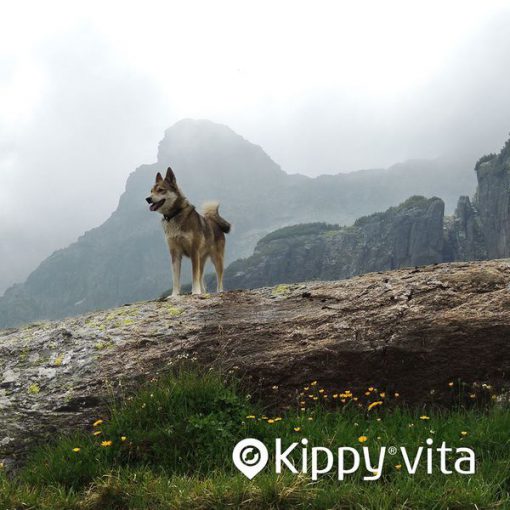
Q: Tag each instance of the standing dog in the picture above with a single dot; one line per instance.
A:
(189, 233)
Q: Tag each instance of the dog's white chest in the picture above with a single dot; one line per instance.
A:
(171, 229)
(176, 238)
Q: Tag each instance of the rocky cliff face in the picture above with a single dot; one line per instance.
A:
(126, 258)
(410, 331)
(405, 236)
(493, 201)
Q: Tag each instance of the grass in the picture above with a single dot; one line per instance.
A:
(171, 447)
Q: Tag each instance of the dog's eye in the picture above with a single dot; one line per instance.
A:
(160, 190)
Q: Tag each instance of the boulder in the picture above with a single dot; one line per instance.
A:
(410, 331)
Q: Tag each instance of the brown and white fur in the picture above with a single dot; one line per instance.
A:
(188, 233)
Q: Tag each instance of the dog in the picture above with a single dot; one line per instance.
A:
(188, 233)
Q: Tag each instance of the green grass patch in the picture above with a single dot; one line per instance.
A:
(170, 445)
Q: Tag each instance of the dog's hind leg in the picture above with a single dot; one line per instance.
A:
(196, 287)
(176, 273)
(202, 274)
(217, 260)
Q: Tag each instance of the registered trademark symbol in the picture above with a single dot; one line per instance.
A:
(392, 450)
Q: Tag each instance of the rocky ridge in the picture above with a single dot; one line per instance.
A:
(404, 236)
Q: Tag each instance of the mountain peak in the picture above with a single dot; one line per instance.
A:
(201, 144)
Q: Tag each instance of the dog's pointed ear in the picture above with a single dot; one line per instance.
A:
(170, 176)
(159, 178)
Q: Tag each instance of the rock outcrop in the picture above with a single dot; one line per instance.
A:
(410, 331)
(492, 200)
(464, 234)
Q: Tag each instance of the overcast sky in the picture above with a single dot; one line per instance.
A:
(87, 90)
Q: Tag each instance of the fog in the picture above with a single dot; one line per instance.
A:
(86, 91)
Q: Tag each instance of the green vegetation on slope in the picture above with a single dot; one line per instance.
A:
(303, 229)
(169, 447)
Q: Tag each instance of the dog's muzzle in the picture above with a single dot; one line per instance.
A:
(155, 205)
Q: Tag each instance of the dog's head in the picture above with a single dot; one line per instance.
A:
(164, 193)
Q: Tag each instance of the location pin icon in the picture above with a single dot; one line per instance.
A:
(250, 457)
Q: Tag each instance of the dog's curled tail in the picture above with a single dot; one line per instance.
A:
(210, 211)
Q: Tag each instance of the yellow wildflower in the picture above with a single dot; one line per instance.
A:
(382, 394)
(76, 450)
(397, 395)
(464, 433)
(362, 439)
(97, 422)
(374, 404)
(270, 421)
(297, 429)
(321, 390)
(424, 417)
(313, 383)
(96, 433)
(250, 417)
(450, 384)
(123, 438)
(105, 444)
(398, 466)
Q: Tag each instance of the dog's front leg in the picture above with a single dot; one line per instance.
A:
(176, 273)
(196, 287)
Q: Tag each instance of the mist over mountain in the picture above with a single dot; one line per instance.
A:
(126, 258)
